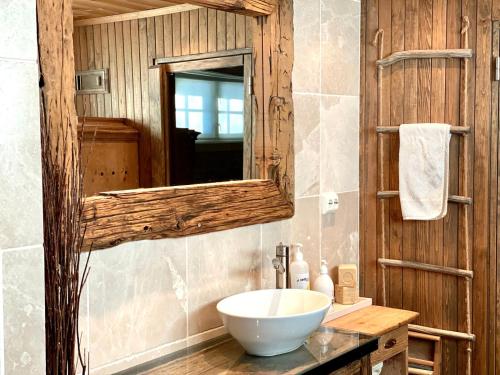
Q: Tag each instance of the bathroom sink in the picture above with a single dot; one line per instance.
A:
(273, 321)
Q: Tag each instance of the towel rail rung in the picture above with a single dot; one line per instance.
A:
(426, 267)
(451, 198)
(458, 130)
(464, 53)
(442, 332)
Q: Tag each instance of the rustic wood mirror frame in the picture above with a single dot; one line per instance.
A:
(113, 218)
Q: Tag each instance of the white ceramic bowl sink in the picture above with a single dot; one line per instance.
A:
(273, 321)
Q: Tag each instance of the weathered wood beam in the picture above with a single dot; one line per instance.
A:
(425, 54)
(426, 267)
(115, 217)
(246, 7)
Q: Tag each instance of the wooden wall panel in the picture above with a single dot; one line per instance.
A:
(128, 48)
(495, 209)
(429, 90)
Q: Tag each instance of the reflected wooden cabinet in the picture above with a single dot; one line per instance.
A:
(110, 155)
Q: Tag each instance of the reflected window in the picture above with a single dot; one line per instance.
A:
(210, 103)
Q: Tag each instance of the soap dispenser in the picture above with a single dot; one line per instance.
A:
(299, 270)
(324, 282)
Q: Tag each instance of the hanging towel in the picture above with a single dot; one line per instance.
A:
(423, 170)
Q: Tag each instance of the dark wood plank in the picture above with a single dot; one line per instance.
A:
(159, 38)
(167, 35)
(89, 31)
(203, 30)
(212, 30)
(481, 183)
(185, 33)
(450, 234)
(77, 57)
(230, 31)
(120, 68)
(105, 64)
(176, 34)
(145, 140)
(129, 80)
(99, 65)
(395, 296)
(113, 71)
(221, 30)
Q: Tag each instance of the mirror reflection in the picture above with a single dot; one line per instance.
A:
(147, 120)
(207, 144)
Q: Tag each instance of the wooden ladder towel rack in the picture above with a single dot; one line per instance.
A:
(467, 274)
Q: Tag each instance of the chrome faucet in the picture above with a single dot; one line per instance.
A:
(282, 264)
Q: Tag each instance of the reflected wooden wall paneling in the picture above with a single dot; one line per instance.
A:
(424, 91)
(128, 48)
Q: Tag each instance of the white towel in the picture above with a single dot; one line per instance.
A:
(423, 170)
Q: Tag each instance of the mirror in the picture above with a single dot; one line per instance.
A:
(127, 66)
(180, 120)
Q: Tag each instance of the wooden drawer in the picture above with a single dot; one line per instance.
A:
(390, 344)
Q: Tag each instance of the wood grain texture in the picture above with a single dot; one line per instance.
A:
(424, 54)
(277, 122)
(179, 211)
(495, 210)
(431, 90)
(246, 7)
(374, 320)
(426, 267)
(57, 91)
(85, 9)
(99, 19)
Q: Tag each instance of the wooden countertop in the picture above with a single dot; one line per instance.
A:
(374, 320)
(326, 350)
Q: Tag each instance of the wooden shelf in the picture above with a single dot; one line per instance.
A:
(424, 54)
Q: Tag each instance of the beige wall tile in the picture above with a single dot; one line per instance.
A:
(24, 311)
(306, 70)
(307, 145)
(340, 43)
(272, 235)
(18, 29)
(339, 143)
(20, 169)
(340, 232)
(138, 298)
(220, 264)
(305, 229)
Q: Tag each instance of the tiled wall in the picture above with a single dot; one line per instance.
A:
(21, 231)
(150, 298)
(146, 299)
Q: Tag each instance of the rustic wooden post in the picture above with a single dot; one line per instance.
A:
(62, 201)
